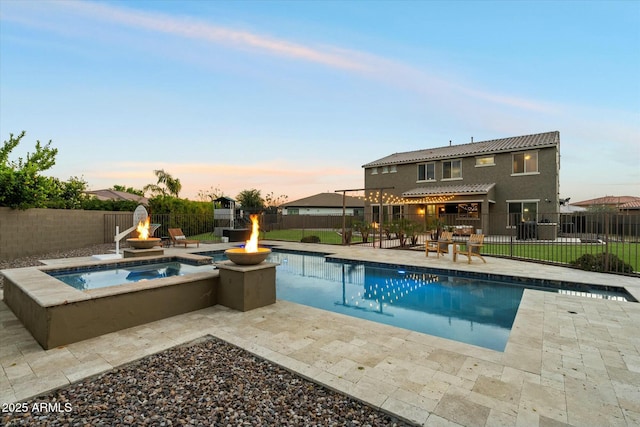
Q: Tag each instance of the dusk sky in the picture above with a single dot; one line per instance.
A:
(293, 97)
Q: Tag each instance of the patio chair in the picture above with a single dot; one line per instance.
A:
(178, 238)
(440, 246)
(472, 248)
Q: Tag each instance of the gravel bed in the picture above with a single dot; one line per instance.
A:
(206, 383)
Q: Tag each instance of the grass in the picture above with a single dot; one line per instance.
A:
(206, 237)
(294, 235)
(551, 252)
(565, 253)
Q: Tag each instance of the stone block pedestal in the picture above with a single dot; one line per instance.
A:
(246, 287)
(135, 253)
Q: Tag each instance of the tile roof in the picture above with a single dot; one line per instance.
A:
(109, 194)
(608, 200)
(442, 190)
(326, 200)
(547, 139)
(634, 204)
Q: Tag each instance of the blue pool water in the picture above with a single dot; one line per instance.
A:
(466, 309)
(469, 310)
(118, 275)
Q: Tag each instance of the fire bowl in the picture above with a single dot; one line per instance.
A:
(149, 243)
(241, 257)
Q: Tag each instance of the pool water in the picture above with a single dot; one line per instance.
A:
(94, 279)
(467, 310)
(470, 310)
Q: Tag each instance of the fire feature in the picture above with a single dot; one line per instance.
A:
(251, 254)
(143, 241)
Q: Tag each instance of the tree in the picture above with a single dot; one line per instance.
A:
(251, 201)
(273, 203)
(68, 194)
(166, 185)
(209, 195)
(129, 190)
(21, 185)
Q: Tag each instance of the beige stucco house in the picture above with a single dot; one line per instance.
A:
(489, 185)
(325, 204)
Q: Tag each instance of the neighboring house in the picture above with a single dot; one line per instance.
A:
(490, 185)
(325, 204)
(114, 195)
(620, 203)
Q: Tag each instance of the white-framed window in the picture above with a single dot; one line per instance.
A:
(525, 162)
(426, 172)
(374, 171)
(385, 169)
(393, 169)
(452, 169)
(485, 161)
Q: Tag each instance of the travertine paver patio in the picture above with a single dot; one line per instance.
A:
(569, 360)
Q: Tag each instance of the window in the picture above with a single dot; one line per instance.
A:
(376, 214)
(293, 211)
(374, 171)
(385, 169)
(522, 212)
(427, 172)
(526, 162)
(485, 161)
(468, 210)
(452, 169)
(396, 212)
(393, 169)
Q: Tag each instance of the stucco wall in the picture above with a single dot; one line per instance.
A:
(541, 187)
(37, 231)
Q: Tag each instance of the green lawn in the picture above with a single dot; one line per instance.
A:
(294, 235)
(205, 237)
(565, 253)
(552, 252)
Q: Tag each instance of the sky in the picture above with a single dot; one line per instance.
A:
(292, 97)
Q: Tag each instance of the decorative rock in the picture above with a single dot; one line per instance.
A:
(175, 387)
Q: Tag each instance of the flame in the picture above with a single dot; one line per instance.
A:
(252, 243)
(143, 229)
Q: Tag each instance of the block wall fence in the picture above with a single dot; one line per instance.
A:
(38, 231)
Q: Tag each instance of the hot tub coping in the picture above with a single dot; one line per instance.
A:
(48, 291)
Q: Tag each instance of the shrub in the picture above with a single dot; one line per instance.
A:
(598, 262)
(310, 239)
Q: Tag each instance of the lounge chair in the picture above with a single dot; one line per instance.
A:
(472, 248)
(440, 246)
(178, 238)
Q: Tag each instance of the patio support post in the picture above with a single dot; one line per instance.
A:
(380, 217)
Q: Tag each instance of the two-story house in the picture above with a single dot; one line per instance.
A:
(489, 185)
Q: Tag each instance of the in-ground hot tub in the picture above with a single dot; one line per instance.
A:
(57, 314)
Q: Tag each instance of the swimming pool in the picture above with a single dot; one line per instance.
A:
(119, 274)
(466, 309)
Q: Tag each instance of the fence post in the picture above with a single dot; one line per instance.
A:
(607, 219)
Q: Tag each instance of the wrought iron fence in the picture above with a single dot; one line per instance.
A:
(610, 241)
(191, 225)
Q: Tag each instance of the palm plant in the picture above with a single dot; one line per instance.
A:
(166, 185)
